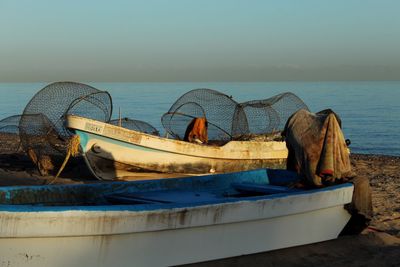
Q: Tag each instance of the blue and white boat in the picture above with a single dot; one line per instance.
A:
(112, 152)
(165, 222)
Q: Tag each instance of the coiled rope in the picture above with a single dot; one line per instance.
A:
(72, 150)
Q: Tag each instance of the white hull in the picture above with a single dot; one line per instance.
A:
(112, 152)
(166, 248)
(124, 237)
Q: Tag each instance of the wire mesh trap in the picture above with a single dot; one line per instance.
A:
(228, 119)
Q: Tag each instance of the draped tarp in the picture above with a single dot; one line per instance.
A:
(318, 152)
(317, 148)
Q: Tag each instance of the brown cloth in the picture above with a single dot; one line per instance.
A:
(197, 131)
(318, 152)
(360, 207)
(362, 200)
(317, 148)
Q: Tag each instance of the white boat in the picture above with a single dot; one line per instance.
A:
(165, 222)
(113, 152)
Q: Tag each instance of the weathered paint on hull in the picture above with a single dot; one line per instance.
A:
(109, 169)
(113, 152)
(129, 235)
(172, 247)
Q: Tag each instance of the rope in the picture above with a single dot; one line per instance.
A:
(73, 150)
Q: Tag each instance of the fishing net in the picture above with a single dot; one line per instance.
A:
(218, 108)
(41, 141)
(42, 125)
(135, 125)
(266, 116)
(227, 119)
(9, 135)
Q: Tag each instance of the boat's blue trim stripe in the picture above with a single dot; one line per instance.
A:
(84, 136)
(150, 207)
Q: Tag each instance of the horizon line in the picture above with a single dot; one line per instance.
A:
(227, 81)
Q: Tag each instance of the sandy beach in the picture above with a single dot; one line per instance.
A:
(378, 245)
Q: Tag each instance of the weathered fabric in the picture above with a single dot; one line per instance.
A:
(360, 207)
(197, 131)
(317, 148)
(362, 197)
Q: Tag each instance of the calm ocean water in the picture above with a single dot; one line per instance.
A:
(370, 111)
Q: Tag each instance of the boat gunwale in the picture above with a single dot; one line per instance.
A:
(157, 207)
(192, 146)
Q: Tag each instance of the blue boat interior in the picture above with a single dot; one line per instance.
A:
(188, 190)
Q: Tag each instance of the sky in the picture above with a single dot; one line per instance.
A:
(199, 41)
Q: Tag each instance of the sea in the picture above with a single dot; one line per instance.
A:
(370, 111)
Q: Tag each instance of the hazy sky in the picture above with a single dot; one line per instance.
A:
(202, 40)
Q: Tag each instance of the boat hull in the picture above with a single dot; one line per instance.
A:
(167, 233)
(172, 247)
(113, 152)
